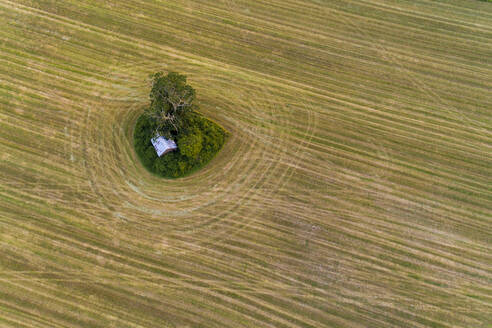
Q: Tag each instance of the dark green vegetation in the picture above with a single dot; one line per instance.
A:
(171, 100)
(198, 141)
(171, 114)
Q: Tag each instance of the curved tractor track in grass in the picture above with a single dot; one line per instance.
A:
(210, 201)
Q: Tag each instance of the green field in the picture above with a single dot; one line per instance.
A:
(355, 189)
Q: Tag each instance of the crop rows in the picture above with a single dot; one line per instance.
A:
(354, 191)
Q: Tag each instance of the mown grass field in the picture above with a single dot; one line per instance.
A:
(355, 189)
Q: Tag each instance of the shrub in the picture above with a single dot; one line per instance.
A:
(191, 143)
(198, 142)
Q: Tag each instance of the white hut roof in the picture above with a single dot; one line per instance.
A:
(163, 145)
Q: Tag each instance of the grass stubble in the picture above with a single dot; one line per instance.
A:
(354, 191)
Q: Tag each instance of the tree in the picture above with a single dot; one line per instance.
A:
(170, 100)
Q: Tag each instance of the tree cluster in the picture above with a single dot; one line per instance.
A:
(197, 145)
(171, 114)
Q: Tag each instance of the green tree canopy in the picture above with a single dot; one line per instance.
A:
(170, 100)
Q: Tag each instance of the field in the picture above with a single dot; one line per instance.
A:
(355, 189)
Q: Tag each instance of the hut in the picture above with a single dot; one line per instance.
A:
(162, 145)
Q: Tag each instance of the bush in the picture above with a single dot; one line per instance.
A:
(197, 144)
(191, 143)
